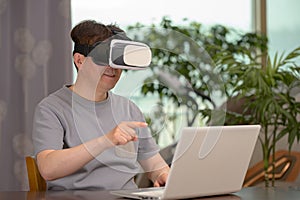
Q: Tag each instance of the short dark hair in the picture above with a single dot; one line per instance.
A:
(88, 32)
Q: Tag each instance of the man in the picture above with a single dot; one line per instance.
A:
(86, 137)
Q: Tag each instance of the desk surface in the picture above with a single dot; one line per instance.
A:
(250, 193)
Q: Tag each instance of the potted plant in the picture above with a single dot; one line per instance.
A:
(266, 94)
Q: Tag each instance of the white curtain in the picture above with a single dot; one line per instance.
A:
(35, 60)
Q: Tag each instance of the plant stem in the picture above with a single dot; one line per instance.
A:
(266, 154)
(273, 151)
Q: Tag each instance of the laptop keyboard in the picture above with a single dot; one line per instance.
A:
(151, 193)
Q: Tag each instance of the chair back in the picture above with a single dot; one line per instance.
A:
(287, 168)
(36, 181)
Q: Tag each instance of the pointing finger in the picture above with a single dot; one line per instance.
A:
(136, 124)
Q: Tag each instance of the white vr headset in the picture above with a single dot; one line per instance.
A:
(118, 52)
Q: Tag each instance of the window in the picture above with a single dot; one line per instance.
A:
(283, 25)
(234, 13)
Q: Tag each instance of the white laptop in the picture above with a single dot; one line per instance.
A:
(207, 161)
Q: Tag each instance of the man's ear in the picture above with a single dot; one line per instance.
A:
(78, 59)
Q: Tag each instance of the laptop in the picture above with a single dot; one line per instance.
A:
(207, 161)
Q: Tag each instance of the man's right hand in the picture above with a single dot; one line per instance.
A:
(125, 132)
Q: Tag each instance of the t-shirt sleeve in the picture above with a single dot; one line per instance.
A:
(147, 145)
(47, 130)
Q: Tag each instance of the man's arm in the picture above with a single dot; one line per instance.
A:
(157, 169)
(54, 164)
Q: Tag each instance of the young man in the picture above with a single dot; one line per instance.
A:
(86, 137)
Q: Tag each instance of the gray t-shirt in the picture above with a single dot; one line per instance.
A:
(64, 120)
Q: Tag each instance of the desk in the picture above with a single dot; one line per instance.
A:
(250, 193)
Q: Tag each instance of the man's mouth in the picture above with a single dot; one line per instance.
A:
(109, 72)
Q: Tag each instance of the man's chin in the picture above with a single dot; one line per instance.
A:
(107, 85)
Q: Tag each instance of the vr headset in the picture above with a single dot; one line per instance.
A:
(118, 51)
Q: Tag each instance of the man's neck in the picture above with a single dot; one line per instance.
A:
(90, 94)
